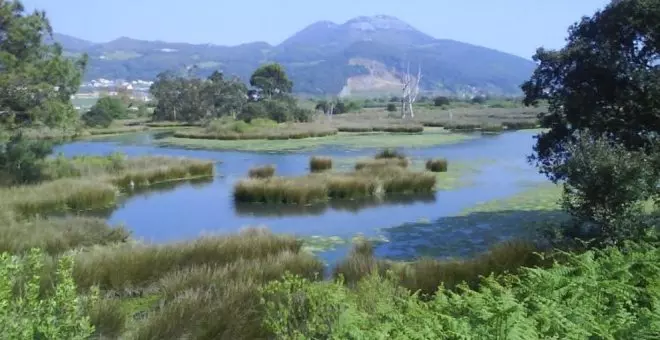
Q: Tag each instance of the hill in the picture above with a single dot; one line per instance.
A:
(362, 55)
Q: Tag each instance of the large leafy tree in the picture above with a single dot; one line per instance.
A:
(36, 79)
(605, 80)
(603, 91)
(271, 80)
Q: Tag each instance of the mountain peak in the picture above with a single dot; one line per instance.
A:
(378, 22)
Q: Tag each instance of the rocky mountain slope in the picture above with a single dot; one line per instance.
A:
(362, 55)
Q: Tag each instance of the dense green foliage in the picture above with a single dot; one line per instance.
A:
(609, 294)
(191, 99)
(603, 120)
(104, 111)
(21, 159)
(615, 89)
(271, 81)
(37, 80)
(25, 314)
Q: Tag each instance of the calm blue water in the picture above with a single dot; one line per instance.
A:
(189, 210)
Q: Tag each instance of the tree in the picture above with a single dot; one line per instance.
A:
(33, 75)
(605, 189)
(603, 92)
(111, 106)
(606, 79)
(271, 80)
(391, 107)
(21, 158)
(441, 101)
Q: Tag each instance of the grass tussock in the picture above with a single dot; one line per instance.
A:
(262, 172)
(108, 317)
(427, 274)
(368, 182)
(389, 154)
(436, 165)
(318, 164)
(122, 171)
(57, 235)
(58, 196)
(131, 266)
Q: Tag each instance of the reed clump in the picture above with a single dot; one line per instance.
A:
(427, 274)
(57, 235)
(436, 165)
(521, 124)
(127, 173)
(318, 164)
(381, 163)
(368, 182)
(225, 299)
(132, 266)
(247, 132)
(58, 196)
(389, 154)
(262, 172)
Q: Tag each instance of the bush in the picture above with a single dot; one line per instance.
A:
(27, 315)
(605, 189)
(391, 107)
(317, 164)
(441, 101)
(262, 172)
(436, 165)
(97, 118)
(21, 159)
(111, 107)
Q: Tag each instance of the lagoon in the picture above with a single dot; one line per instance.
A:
(486, 168)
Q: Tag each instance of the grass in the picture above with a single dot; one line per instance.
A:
(314, 188)
(427, 274)
(262, 172)
(436, 165)
(57, 235)
(58, 196)
(370, 164)
(429, 137)
(319, 164)
(122, 171)
(390, 153)
(259, 129)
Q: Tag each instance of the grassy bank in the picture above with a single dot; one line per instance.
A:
(429, 137)
(128, 173)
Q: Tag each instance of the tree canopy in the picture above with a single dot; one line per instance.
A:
(605, 80)
(36, 80)
(271, 80)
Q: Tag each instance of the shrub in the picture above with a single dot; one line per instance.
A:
(391, 107)
(262, 172)
(27, 315)
(97, 118)
(21, 159)
(436, 165)
(317, 164)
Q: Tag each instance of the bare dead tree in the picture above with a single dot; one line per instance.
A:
(410, 91)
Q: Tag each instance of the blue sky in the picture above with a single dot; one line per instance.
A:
(514, 26)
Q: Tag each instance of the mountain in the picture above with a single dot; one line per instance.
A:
(364, 55)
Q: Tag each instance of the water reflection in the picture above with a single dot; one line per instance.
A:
(354, 206)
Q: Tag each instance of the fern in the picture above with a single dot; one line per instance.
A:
(600, 294)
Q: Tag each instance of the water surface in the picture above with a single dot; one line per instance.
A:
(188, 210)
